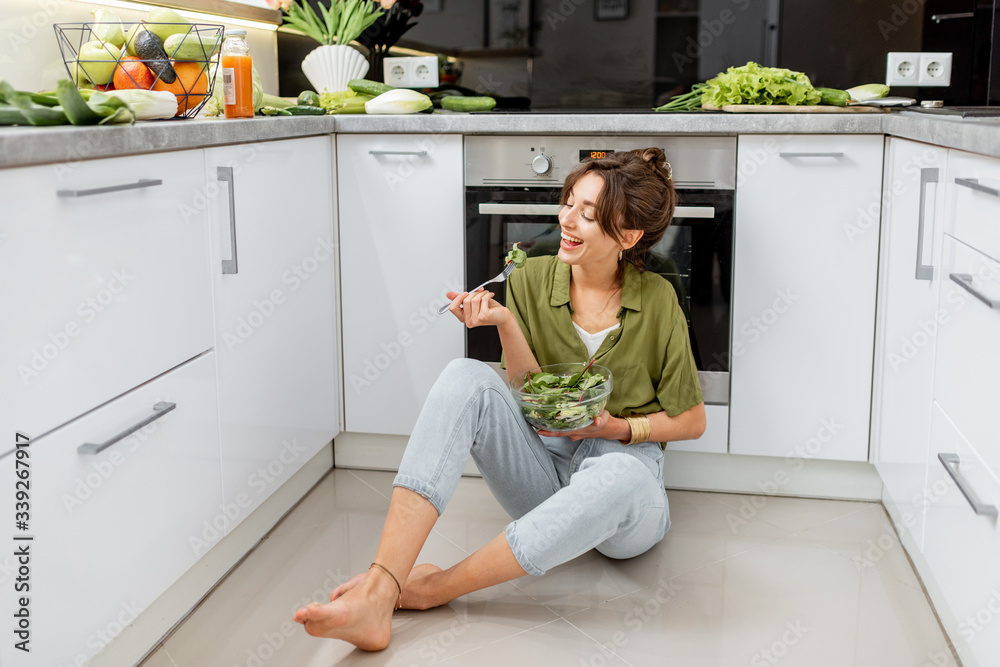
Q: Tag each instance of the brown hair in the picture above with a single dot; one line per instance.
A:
(638, 193)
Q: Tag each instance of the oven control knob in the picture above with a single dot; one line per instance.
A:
(542, 164)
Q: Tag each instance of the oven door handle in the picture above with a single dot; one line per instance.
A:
(497, 208)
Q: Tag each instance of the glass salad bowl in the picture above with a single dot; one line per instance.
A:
(562, 397)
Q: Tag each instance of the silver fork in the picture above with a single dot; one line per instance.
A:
(503, 275)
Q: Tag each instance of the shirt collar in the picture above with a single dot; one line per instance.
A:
(631, 292)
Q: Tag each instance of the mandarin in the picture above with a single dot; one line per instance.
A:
(191, 85)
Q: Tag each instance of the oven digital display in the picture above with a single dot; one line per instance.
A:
(591, 154)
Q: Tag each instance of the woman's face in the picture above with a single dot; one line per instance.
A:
(583, 240)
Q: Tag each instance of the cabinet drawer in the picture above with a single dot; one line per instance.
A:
(962, 548)
(112, 530)
(102, 290)
(968, 361)
(975, 204)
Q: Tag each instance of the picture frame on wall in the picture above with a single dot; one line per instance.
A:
(610, 10)
(509, 24)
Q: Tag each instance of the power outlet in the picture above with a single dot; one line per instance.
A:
(935, 69)
(411, 71)
(902, 69)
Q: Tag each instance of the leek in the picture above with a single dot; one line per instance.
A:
(400, 100)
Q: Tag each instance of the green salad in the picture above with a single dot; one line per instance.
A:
(562, 402)
(517, 256)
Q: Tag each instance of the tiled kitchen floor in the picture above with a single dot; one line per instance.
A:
(739, 580)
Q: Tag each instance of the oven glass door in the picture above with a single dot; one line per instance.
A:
(695, 255)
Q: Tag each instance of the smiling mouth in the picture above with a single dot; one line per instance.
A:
(570, 241)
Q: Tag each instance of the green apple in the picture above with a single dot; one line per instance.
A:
(130, 39)
(164, 22)
(97, 61)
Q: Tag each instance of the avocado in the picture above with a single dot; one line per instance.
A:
(149, 48)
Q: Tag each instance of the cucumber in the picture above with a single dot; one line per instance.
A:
(367, 87)
(453, 103)
(306, 110)
(832, 96)
(308, 98)
(190, 46)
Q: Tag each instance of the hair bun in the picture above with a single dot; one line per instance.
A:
(654, 157)
(657, 160)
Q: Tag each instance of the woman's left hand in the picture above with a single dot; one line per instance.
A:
(604, 426)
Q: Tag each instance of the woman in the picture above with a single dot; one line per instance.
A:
(598, 487)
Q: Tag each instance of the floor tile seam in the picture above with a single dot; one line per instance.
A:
(351, 473)
(600, 644)
(169, 657)
(447, 539)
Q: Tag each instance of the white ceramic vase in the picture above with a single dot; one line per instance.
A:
(330, 67)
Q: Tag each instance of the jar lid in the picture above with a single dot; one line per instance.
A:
(236, 32)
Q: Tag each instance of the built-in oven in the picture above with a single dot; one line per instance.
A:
(512, 194)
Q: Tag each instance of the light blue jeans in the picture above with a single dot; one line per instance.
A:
(566, 497)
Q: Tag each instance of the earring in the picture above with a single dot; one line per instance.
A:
(619, 255)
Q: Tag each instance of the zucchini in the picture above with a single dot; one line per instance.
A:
(191, 46)
(366, 87)
(453, 103)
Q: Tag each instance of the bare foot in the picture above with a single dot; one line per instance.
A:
(343, 588)
(361, 615)
(421, 590)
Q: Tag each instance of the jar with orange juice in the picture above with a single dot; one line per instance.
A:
(237, 75)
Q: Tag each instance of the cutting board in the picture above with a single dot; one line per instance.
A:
(787, 108)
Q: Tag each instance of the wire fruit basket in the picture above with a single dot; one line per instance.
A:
(183, 63)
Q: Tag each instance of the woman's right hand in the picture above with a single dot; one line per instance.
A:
(477, 309)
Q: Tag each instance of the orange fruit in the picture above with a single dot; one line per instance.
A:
(190, 87)
(133, 73)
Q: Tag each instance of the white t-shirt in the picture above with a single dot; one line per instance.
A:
(593, 340)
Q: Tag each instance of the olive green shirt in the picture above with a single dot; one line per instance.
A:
(649, 355)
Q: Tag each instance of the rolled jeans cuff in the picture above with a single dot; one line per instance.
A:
(423, 488)
(515, 546)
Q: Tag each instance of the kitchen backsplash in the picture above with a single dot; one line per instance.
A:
(29, 53)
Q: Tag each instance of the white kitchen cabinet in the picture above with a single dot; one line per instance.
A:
(402, 235)
(806, 252)
(908, 324)
(104, 268)
(274, 267)
(967, 363)
(113, 529)
(974, 208)
(961, 546)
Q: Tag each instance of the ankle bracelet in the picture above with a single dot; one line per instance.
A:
(399, 591)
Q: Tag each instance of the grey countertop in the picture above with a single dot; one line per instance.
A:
(21, 146)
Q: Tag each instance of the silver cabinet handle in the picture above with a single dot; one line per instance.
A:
(974, 184)
(978, 507)
(937, 18)
(397, 153)
(965, 281)
(836, 156)
(498, 208)
(141, 183)
(229, 266)
(924, 271)
(159, 410)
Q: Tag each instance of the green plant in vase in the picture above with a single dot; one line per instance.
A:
(337, 23)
